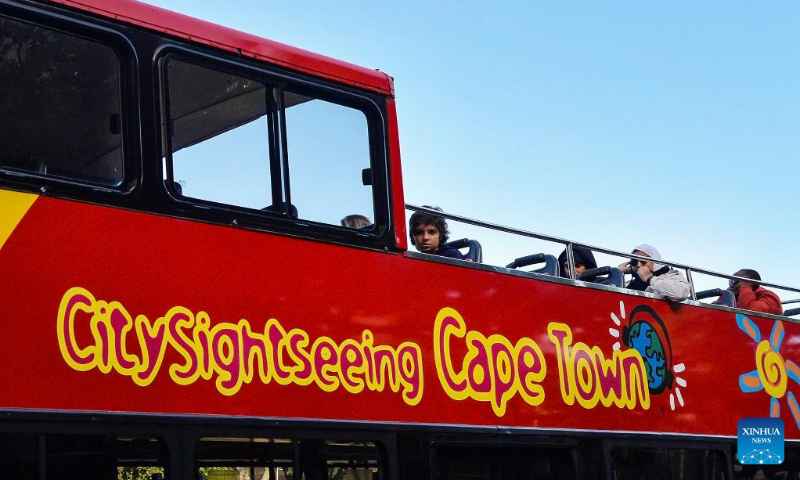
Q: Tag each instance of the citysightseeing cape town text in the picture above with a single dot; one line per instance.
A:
(494, 370)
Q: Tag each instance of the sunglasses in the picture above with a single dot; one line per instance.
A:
(732, 282)
(635, 263)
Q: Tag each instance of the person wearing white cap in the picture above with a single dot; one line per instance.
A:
(655, 277)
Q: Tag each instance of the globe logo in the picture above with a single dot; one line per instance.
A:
(648, 335)
(644, 339)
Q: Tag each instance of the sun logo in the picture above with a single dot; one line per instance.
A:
(646, 333)
(772, 372)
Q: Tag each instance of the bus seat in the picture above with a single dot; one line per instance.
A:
(475, 252)
(604, 276)
(791, 312)
(280, 207)
(550, 263)
(726, 297)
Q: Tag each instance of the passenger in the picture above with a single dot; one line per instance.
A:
(654, 277)
(429, 234)
(752, 296)
(584, 260)
(356, 221)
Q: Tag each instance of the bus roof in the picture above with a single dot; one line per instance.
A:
(200, 31)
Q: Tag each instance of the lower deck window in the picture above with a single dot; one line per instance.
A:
(667, 464)
(285, 459)
(504, 463)
(32, 456)
(789, 469)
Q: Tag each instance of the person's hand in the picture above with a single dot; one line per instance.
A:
(625, 267)
(644, 274)
(743, 284)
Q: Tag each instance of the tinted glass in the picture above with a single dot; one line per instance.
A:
(226, 147)
(668, 464)
(788, 470)
(32, 456)
(60, 105)
(328, 147)
(219, 134)
(285, 459)
(504, 463)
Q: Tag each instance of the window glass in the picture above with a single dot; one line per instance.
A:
(351, 461)
(328, 148)
(224, 134)
(504, 463)
(788, 470)
(60, 108)
(285, 459)
(32, 456)
(668, 464)
(219, 134)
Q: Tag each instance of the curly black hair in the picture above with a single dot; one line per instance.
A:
(423, 218)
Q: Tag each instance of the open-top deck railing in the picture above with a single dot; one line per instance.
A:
(570, 244)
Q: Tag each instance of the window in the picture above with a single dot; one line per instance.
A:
(249, 141)
(60, 108)
(788, 470)
(285, 459)
(504, 463)
(32, 456)
(219, 136)
(328, 147)
(667, 464)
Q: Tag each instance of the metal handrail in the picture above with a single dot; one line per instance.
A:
(569, 244)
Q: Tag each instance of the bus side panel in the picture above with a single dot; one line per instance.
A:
(111, 310)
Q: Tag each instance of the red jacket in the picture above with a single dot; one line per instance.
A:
(759, 300)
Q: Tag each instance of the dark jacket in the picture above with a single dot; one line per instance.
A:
(581, 255)
(636, 283)
(759, 300)
(450, 252)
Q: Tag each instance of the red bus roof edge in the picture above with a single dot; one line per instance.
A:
(207, 33)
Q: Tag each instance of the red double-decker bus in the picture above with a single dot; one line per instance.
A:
(181, 299)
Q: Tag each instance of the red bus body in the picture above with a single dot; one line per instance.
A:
(159, 263)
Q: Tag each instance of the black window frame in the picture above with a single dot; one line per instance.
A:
(668, 444)
(130, 114)
(192, 435)
(82, 426)
(740, 471)
(371, 105)
(568, 445)
(178, 434)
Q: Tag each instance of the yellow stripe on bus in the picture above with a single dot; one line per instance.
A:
(13, 206)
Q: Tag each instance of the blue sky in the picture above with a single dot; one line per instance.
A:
(615, 124)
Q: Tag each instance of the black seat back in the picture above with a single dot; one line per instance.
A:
(475, 252)
(281, 208)
(726, 297)
(550, 263)
(791, 312)
(604, 276)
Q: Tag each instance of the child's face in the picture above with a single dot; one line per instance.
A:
(426, 237)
